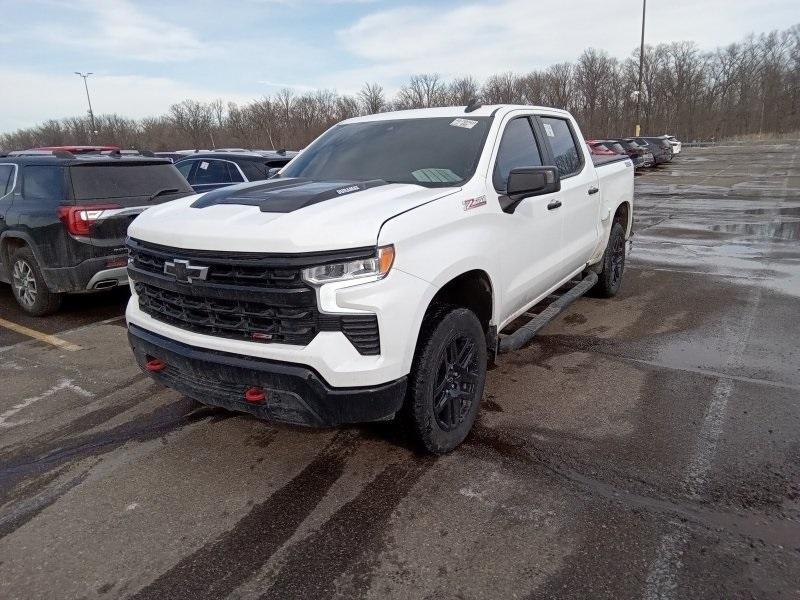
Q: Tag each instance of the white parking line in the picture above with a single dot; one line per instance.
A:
(64, 384)
(661, 583)
(662, 578)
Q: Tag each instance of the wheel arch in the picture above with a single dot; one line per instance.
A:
(10, 241)
(624, 215)
(471, 289)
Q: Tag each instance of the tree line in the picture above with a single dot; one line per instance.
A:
(748, 87)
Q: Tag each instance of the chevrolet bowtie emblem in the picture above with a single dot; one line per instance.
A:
(184, 271)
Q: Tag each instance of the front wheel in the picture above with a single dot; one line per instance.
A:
(613, 263)
(447, 378)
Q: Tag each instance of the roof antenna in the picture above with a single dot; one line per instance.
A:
(472, 105)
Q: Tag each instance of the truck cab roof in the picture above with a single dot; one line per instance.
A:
(486, 110)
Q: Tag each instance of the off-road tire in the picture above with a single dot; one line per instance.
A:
(457, 331)
(34, 298)
(610, 278)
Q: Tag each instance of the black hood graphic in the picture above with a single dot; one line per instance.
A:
(284, 195)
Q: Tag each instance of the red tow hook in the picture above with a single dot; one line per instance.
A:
(155, 365)
(255, 395)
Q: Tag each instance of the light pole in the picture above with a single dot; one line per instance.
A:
(641, 65)
(89, 100)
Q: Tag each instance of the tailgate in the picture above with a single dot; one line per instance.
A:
(116, 192)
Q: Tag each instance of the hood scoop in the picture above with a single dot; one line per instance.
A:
(284, 195)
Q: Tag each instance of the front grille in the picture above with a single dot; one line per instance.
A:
(248, 297)
(251, 321)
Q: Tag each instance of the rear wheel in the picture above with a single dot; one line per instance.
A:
(29, 287)
(613, 263)
(447, 378)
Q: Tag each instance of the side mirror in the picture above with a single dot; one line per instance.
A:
(272, 171)
(524, 182)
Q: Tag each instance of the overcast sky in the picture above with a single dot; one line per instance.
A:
(147, 54)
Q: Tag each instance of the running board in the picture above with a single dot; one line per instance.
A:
(523, 335)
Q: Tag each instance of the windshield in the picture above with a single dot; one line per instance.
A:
(429, 152)
(93, 181)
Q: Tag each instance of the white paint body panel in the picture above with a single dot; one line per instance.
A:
(525, 255)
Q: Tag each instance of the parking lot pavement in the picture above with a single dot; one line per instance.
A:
(76, 311)
(642, 447)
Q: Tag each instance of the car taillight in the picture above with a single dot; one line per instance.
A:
(79, 219)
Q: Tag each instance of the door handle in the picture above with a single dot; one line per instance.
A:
(593, 190)
(554, 205)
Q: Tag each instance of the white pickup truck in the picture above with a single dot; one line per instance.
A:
(372, 278)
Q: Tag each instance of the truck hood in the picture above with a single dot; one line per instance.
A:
(282, 215)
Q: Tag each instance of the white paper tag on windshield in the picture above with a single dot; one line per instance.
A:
(204, 165)
(465, 123)
(548, 129)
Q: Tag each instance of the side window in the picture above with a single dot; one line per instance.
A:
(233, 173)
(6, 179)
(566, 152)
(517, 149)
(43, 183)
(185, 167)
(211, 171)
(253, 170)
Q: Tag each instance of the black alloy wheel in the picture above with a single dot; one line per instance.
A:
(456, 377)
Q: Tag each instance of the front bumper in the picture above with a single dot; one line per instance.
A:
(295, 393)
(399, 300)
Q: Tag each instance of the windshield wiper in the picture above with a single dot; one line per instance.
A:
(162, 193)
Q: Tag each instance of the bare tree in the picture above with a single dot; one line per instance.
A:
(422, 91)
(462, 91)
(372, 98)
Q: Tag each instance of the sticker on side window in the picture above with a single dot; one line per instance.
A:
(548, 129)
(465, 123)
(204, 165)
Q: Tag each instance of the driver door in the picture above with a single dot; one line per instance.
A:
(531, 254)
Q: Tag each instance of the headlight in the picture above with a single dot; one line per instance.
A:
(355, 269)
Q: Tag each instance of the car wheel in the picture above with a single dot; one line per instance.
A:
(29, 287)
(447, 378)
(613, 263)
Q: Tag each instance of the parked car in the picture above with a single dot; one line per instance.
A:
(661, 149)
(207, 171)
(371, 277)
(674, 142)
(64, 218)
(640, 155)
(599, 149)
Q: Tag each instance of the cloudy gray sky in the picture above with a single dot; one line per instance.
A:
(147, 54)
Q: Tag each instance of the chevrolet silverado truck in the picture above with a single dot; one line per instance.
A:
(373, 277)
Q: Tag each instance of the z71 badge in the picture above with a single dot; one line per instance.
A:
(474, 202)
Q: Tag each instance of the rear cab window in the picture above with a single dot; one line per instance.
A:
(567, 155)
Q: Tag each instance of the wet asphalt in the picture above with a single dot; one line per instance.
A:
(642, 447)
